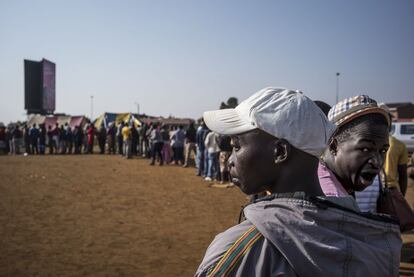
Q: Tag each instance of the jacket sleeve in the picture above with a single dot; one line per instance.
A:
(261, 259)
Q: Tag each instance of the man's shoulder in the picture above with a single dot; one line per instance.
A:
(221, 243)
(242, 251)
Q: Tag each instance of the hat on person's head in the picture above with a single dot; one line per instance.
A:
(279, 112)
(387, 109)
(350, 108)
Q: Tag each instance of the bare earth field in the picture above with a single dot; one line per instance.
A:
(106, 216)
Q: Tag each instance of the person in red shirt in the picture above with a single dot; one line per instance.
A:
(91, 136)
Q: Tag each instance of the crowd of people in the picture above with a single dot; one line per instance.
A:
(19, 139)
(160, 143)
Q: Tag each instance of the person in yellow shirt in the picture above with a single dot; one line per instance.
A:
(395, 165)
(410, 171)
(126, 135)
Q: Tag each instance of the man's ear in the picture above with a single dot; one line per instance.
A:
(281, 151)
(333, 146)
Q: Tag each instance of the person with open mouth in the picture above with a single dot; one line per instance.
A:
(356, 151)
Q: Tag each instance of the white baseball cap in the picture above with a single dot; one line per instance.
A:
(280, 112)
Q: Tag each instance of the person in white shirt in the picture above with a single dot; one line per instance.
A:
(213, 150)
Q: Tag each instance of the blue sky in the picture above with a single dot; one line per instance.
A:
(184, 57)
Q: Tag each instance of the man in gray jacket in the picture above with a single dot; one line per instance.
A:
(277, 137)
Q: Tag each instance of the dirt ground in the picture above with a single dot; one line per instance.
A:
(94, 215)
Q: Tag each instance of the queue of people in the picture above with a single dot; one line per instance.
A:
(37, 140)
(212, 153)
(160, 143)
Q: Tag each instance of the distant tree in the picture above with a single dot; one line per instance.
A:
(232, 102)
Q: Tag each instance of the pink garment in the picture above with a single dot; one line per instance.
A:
(166, 155)
(329, 184)
(91, 133)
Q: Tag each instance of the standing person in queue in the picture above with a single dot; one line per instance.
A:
(85, 138)
(200, 136)
(7, 139)
(156, 144)
(111, 132)
(50, 141)
(134, 140)
(213, 150)
(11, 132)
(55, 138)
(224, 143)
(62, 140)
(91, 138)
(120, 138)
(277, 137)
(42, 139)
(26, 139)
(177, 144)
(148, 141)
(189, 143)
(78, 139)
(2, 138)
(126, 136)
(69, 138)
(17, 139)
(166, 147)
(33, 137)
(102, 138)
(144, 143)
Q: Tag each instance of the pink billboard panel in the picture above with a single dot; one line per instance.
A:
(49, 89)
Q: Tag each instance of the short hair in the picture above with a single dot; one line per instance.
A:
(345, 131)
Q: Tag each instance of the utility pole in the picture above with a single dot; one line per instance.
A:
(337, 86)
(136, 103)
(91, 108)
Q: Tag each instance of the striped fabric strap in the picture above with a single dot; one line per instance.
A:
(234, 254)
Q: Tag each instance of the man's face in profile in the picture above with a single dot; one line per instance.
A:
(252, 166)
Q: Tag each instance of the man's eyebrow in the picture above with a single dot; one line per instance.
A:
(369, 141)
(366, 140)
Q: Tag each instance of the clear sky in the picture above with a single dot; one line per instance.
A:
(184, 57)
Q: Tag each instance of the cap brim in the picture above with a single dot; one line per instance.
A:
(227, 122)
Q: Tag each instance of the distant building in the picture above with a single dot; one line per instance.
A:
(138, 119)
(403, 111)
(170, 121)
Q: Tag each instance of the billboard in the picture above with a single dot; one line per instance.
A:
(39, 86)
(48, 86)
(32, 86)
